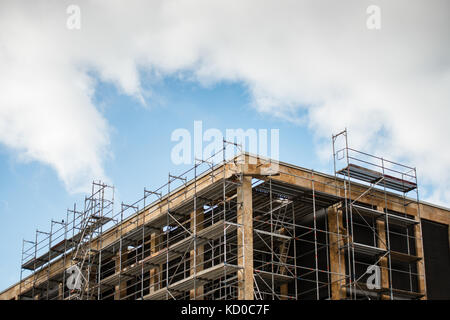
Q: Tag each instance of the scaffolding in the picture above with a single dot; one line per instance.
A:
(70, 242)
(234, 228)
(381, 232)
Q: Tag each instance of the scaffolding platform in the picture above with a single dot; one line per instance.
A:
(174, 251)
(397, 293)
(368, 212)
(394, 219)
(405, 294)
(115, 278)
(400, 221)
(95, 222)
(266, 275)
(55, 251)
(186, 284)
(404, 257)
(64, 245)
(372, 176)
(365, 249)
(376, 251)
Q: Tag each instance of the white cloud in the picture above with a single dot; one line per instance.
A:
(313, 57)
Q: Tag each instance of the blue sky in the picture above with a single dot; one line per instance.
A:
(102, 99)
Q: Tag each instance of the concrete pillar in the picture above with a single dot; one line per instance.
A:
(155, 273)
(283, 258)
(337, 256)
(384, 263)
(198, 293)
(420, 263)
(245, 239)
(60, 291)
(120, 290)
(284, 291)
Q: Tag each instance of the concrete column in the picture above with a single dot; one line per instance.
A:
(337, 256)
(199, 259)
(283, 258)
(93, 281)
(155, 273)
(384, 263)
(421, 263)
(120, 290)
(60, 291)
(245, 239)
(284, 291)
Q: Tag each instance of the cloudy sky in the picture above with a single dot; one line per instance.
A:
(101, 101)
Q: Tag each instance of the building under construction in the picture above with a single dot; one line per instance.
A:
(249, 227)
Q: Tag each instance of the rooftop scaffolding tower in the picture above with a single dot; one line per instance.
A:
(376, 234)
